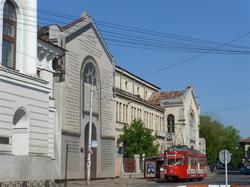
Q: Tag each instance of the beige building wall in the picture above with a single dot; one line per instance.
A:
(132, 95)
(183, 110)
(84, 46)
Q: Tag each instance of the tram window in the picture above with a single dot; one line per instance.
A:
(177, 161)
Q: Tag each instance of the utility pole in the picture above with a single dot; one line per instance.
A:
(66, 165)
(92, 78)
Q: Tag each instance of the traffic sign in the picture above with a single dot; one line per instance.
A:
(225, 156)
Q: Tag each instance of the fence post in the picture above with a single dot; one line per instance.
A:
(24, 184)
(137, 163)
(46, 183)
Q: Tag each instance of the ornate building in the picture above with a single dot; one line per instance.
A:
(132, 94)
(181, 116)
(86, 63)
(46, 80)
(27, 111)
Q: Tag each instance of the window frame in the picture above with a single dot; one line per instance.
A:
(171, 126)
(8, 38)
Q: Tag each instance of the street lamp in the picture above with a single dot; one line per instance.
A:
(90, 75)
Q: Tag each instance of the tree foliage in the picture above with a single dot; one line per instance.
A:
(220, 137)
(138, 140)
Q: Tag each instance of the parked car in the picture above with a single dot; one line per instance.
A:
(245, 170)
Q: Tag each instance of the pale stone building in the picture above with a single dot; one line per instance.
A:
(202, 145)
(45, 83)
(181, 116)
(172, 115)
(27, 111)
(87, 57)
(132, 94)
(45, 97)
(245, 144)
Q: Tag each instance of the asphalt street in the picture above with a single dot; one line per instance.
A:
(234, 177)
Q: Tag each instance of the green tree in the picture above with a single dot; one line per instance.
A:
(138, 140)
(220, 137)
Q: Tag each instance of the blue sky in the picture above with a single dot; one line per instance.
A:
(220, 21)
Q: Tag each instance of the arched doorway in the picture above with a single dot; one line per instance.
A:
(20, 137)
(94, 150)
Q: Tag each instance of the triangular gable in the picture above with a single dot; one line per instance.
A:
(190, 88)
(80, 26)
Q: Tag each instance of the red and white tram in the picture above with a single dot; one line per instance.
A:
(184, 163)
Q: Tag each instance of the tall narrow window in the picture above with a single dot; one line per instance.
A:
(89, 74)
(171, 124)
(126, 85)
(9, 35)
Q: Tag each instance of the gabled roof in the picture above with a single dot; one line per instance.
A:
(119, 68)
(73, 23)
(170, 95)
(74, 29)
(158, 96)
(246, 140)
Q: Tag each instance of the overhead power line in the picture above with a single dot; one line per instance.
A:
(223, 93)
(129, 28)
(121, 38)
(193, 57)
(154, 43)
(228, 108)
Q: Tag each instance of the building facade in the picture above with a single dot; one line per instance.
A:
(132, 94)
(87, 63)
(173, 116)
(26, 103)
(245, 145)
(181, 116)
(45, 86)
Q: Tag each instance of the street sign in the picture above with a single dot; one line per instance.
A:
(225, 156)
(94, 143)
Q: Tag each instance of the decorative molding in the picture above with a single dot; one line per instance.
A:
(136, 99)
(70, 133)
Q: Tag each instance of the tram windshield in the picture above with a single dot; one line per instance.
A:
(172, 161)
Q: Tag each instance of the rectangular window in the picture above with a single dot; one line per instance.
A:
(9, 30)
(124, 113)
(120, 112)
(132, 114)
(117, 111)
(8, 54)
(4, 140)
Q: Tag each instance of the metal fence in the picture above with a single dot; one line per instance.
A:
(45, 183)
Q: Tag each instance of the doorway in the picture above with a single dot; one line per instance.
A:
(94, 150)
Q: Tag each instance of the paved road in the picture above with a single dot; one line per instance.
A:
(234, 177)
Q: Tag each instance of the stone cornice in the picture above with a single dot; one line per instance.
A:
(127, 95)
(17, 78)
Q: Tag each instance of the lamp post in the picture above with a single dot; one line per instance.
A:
(91, 79)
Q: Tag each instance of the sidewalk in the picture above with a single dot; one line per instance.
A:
(109, 182)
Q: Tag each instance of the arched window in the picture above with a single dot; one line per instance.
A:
(171, 123)
(9, 35)
(20, 136)
(192, 120)
(89, 74)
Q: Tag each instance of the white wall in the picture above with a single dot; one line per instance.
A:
(26, 39)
